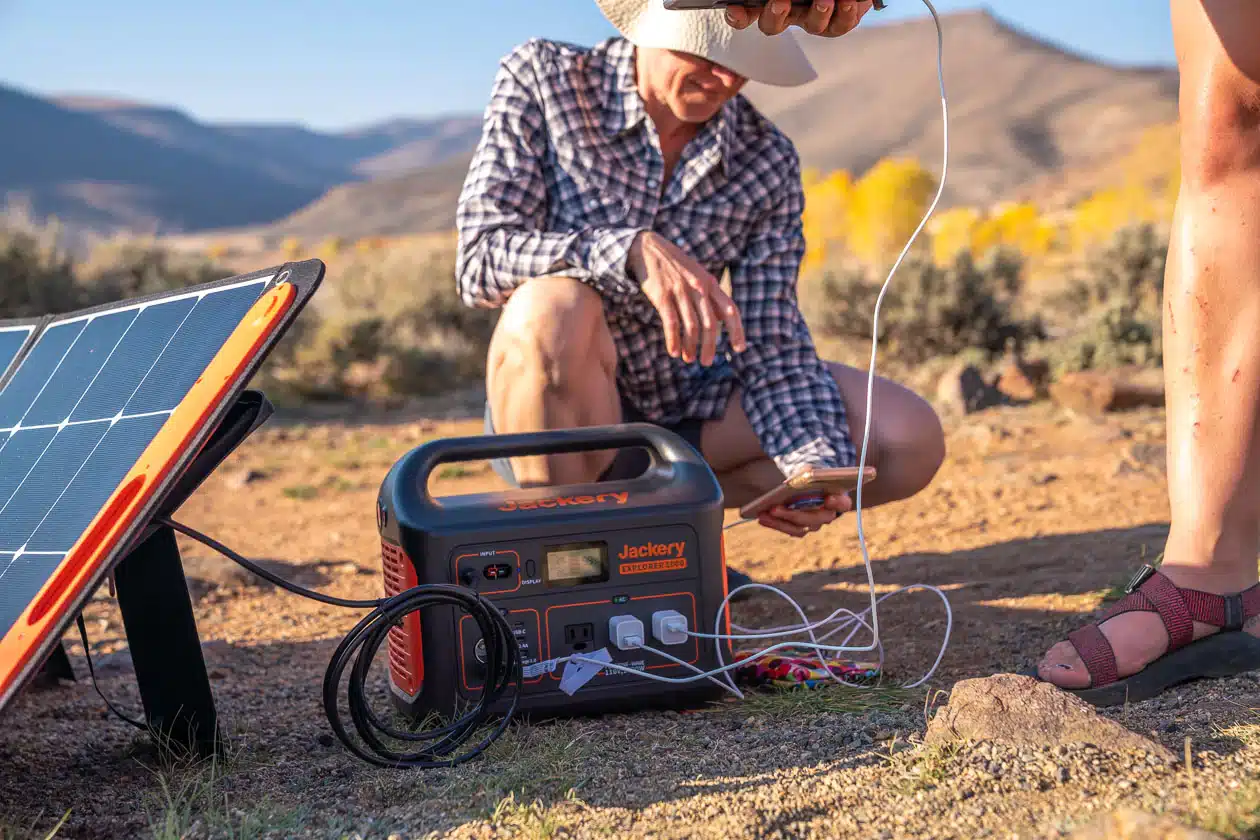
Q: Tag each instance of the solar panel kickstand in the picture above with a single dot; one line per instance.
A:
(157, 609)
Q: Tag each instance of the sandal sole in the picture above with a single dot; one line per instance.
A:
(1218, 656)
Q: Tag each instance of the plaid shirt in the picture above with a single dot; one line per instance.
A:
(568, 171)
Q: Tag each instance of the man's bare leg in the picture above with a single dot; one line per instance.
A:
(1211, 331)
(907, 443)
(552, 365)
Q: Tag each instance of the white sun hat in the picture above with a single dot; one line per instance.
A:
(769, 59)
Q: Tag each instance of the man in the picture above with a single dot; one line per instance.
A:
(1199, 614)
(612, 187)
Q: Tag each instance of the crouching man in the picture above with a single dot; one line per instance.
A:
(612, 187)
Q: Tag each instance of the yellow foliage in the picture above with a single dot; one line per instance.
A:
(1020, 226)
(331, 247)
(886, 206)
(952, 231)
(826, 216)
(1096, 218)
(217, 251)
(369, 244)
(292, 248)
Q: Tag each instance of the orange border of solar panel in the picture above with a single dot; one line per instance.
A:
(186, 421)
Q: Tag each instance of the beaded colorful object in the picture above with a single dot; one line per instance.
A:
(788, 671)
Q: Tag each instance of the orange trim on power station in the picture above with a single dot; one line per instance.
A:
(84, 559)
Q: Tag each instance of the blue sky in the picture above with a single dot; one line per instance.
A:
(342, 63)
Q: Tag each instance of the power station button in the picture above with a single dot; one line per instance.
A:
(498, 571)
(530, 569)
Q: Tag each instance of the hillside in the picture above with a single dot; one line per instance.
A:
(416, 203)
(93, 173)
(1021, 112)
(1024, 113)
(1020, 109)
(103, 163)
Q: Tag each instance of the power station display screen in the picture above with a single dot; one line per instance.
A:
(575, 564)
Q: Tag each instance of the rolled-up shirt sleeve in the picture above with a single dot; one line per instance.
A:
(501, 215)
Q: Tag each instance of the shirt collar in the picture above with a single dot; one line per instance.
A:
(624, 110)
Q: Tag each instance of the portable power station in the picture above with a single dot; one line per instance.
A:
(565, 566)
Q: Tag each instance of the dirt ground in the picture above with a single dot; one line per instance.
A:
(1035, 517)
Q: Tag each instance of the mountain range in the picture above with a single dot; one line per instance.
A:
(1020, 110)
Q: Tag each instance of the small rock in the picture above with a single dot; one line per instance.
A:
(1026, 712)
(245, 477)
(1128, 824)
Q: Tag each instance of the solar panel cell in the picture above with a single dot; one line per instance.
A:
(33, 374)
(44, 483)
(18, 453)
(200, 336)
(90, 489)
(11, 341)
(133, 358)
(78, 368)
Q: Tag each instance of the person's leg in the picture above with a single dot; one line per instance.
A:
(552, 365)
(1211, 334)
(907, 443)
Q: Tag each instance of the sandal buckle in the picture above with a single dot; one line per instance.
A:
(1143, 575)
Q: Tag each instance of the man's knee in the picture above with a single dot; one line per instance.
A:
(913, 436)
(552, 333)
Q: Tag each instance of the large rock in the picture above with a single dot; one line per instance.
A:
(1090, 392)
(1128, 824)
(1024, 711)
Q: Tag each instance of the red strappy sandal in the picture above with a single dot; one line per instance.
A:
(1224, 654)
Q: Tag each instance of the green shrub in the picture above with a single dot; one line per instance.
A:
(388, 325)
(1114, 305)
(37, 277)
(928, 311)
(129, 268)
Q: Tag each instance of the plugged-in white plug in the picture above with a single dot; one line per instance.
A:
(669, 627)
(625, 631)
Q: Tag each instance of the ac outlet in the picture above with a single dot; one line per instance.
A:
(579, 636)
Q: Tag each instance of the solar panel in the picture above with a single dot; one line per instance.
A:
(99, 412)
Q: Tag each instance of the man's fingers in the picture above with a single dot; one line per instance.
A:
(777, 524)
(669, 323)
(848, 15)
(708, 329)
(740, 17)
(774, 17)
(819, 16)
(729, 313)
(690, 323)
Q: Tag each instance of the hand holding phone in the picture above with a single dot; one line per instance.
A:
(807, 500)
(828, 18)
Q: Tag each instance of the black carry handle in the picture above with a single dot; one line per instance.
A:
(665, 446)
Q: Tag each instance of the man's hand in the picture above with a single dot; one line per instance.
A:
(689, 299)
(829, 18)
(798, 523)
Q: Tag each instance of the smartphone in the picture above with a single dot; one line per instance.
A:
(807, 489)
(689, 5)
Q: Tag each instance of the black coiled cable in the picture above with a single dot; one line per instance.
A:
(361, 644)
